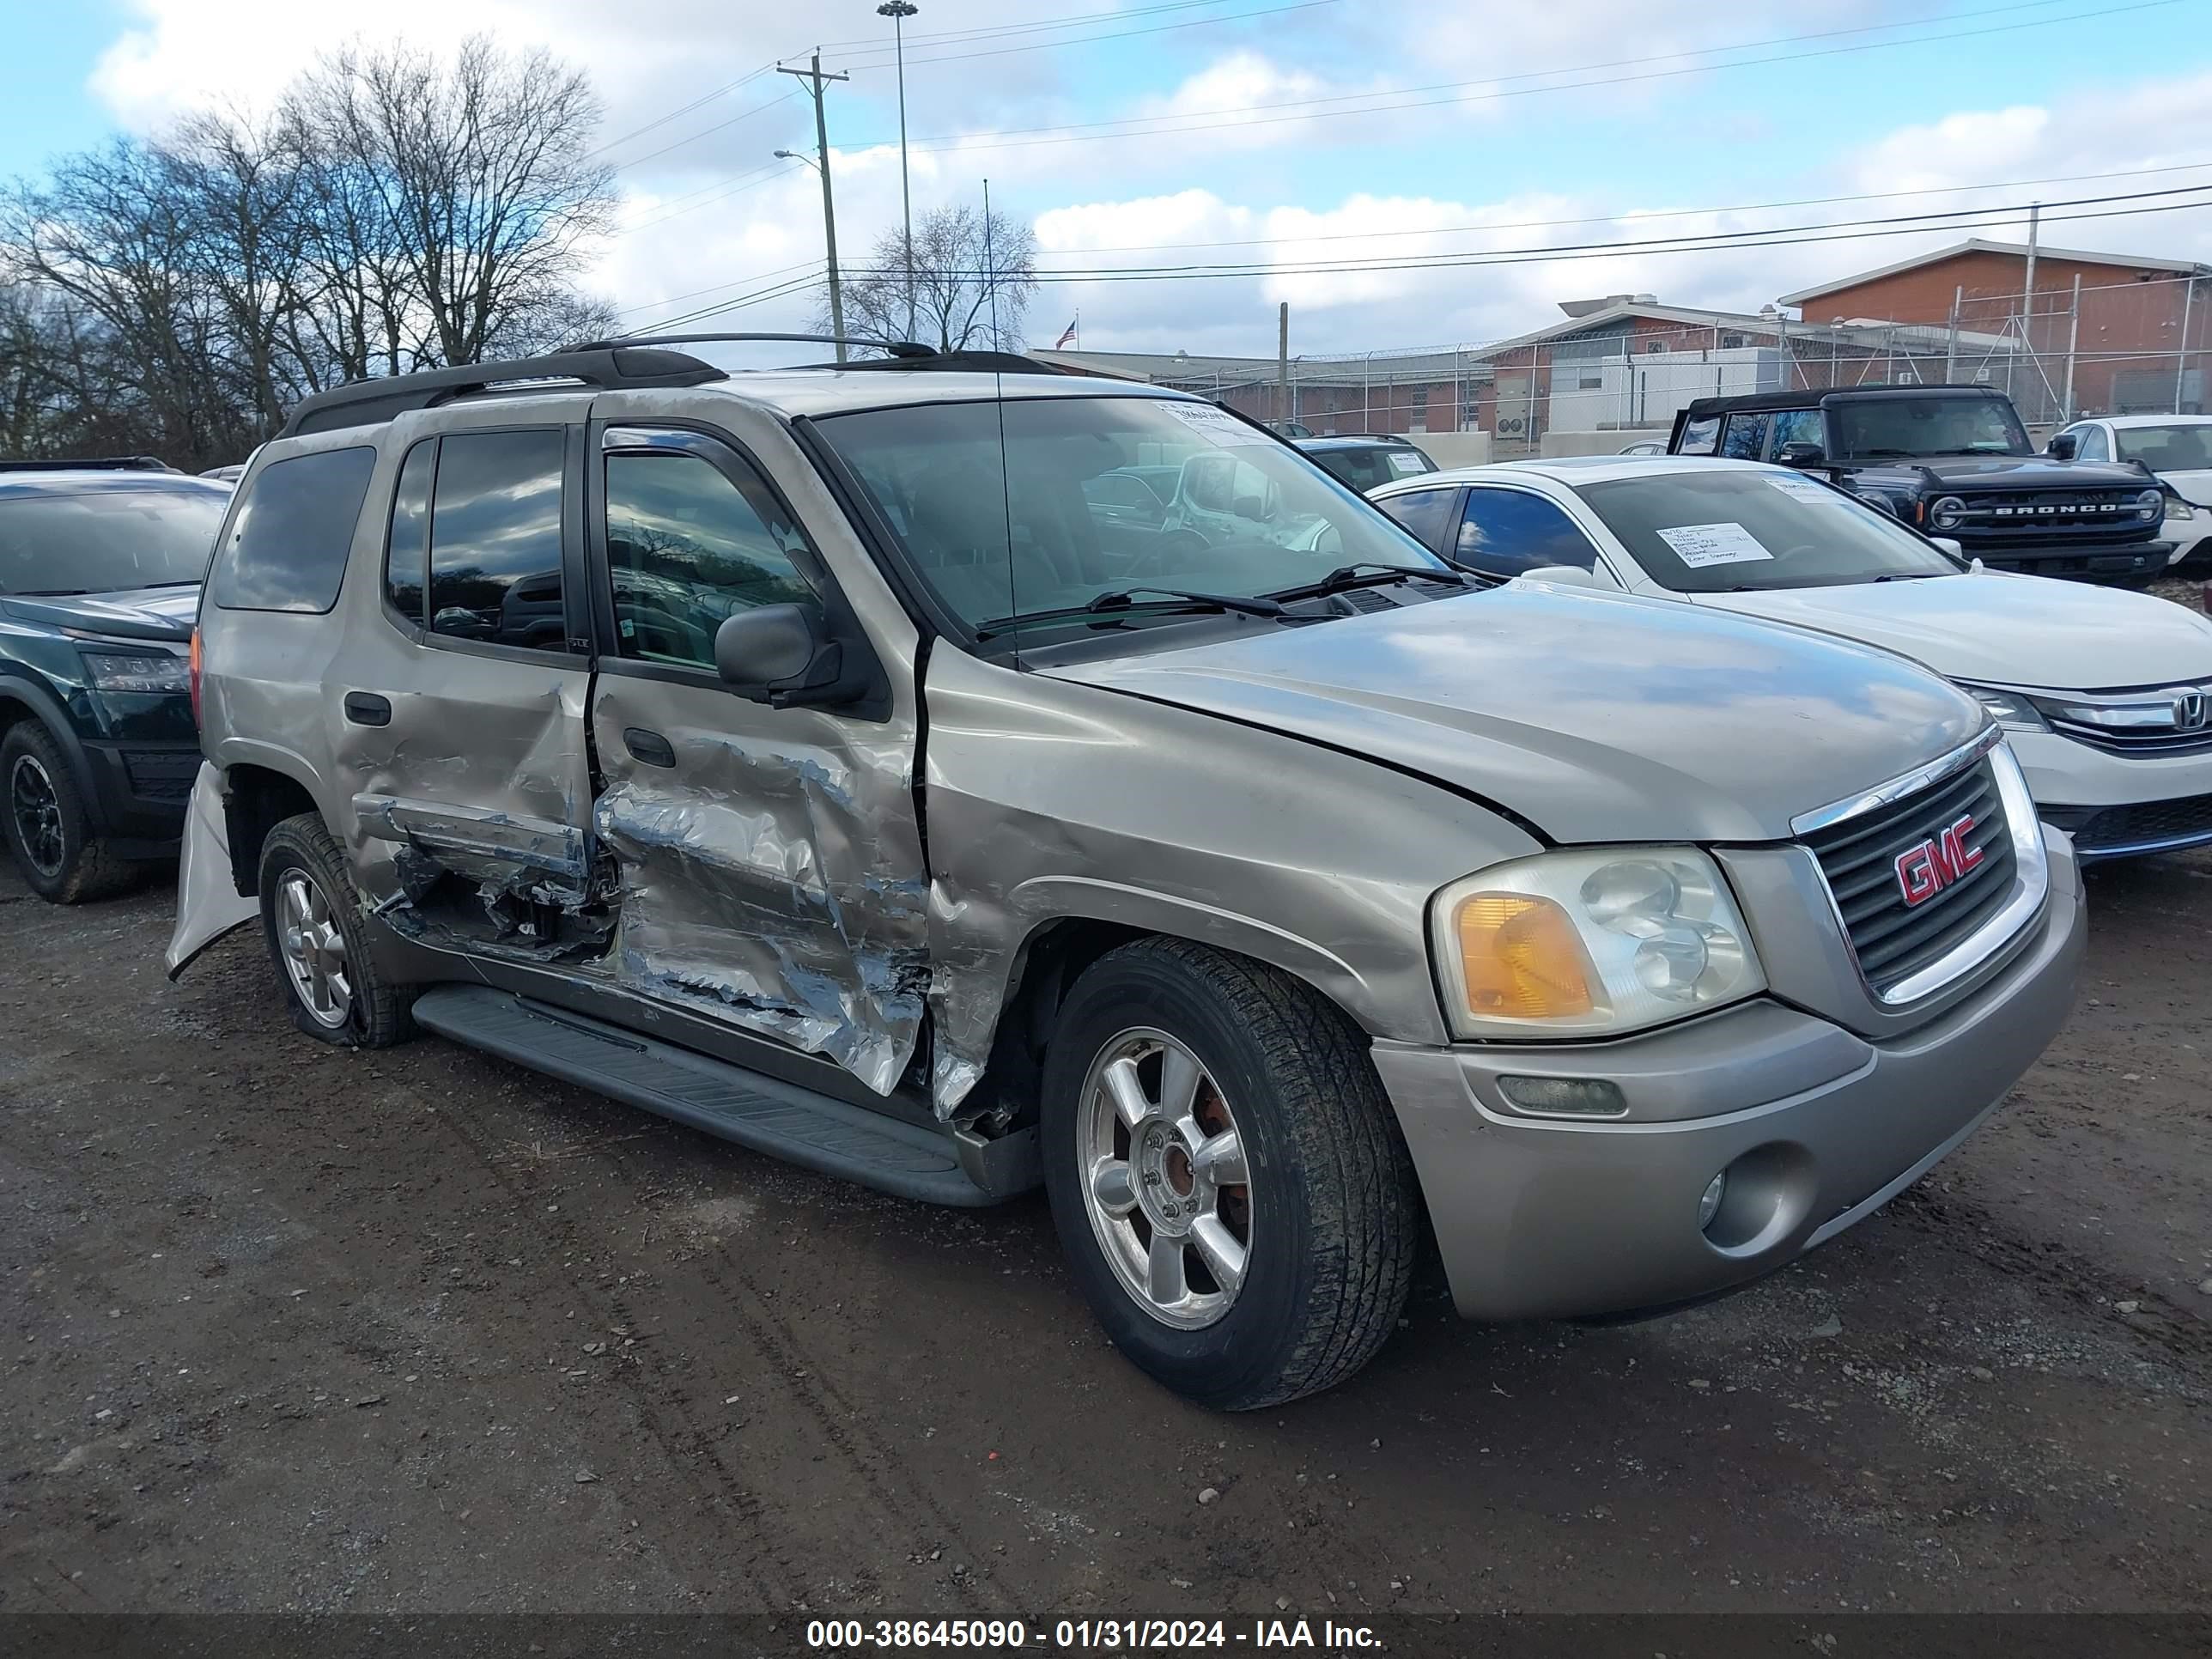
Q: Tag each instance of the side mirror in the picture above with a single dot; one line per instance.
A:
(777, 655)
(2063, 446)
(1799, 452)
(1568, 576)
(1950, 545)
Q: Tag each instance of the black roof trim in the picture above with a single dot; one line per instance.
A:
(1814, 397)
(953, 362)
(614, 368)
(896, 347)
(92, 463)
(1398, 438)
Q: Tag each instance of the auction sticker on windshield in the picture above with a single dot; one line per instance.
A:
(1698, 545)
(1805, 490)
(1218, 424)
(1404, 462)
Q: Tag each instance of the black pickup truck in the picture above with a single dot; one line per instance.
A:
(1951, 461)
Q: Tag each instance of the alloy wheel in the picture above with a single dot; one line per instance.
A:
(314, 949)
(1164, 1178)
(36, 806)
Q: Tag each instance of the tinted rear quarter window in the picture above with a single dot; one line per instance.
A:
(1426, 513)
(407, 544)
(1699, 435)
(496, 539)
(288, 540)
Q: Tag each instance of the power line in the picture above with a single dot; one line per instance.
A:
(997, 30)
(743, 182)
(717, 288)
(699, 102)
(970, 141)
(742, 115)
(1709, 242)
(1115, 34)
(1667, 213)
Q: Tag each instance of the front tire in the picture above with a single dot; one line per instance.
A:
(311, 917)
(48, 826)
(1226, 1175)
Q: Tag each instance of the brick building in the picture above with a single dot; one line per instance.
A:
(2137, 345)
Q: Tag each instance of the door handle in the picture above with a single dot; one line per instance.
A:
(367, 708)
(648, 748)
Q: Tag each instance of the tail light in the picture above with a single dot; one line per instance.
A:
(195, 672)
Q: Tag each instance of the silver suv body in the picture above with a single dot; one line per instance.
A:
(827, 759)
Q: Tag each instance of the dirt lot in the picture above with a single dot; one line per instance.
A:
(286, 1328)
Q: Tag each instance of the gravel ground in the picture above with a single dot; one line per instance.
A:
(286, 1328)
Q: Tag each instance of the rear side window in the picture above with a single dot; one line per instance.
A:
(1424, 512)
(407, 545)
(289, 538)
(1746, 437)
(1505, 531)
(1699, 435)
(1799, 426)
(496, 539)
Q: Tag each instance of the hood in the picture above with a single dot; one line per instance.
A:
(2192, 484)
(136, 613)
(2005, 629)
(1596, 717)
(2028, 472)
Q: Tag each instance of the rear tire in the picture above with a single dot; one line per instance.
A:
(311, 917)
(47, 825)
(1316, 1215)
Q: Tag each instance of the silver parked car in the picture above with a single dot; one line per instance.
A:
(832, 760)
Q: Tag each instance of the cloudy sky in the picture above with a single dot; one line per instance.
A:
(1274, 137)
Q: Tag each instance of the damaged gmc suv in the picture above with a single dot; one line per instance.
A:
(827, 759)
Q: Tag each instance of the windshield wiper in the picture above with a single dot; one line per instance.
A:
(1911, 575)
(1371, 572)
(51, 593)
(1119, 601)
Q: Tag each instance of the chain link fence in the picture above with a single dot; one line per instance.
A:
(2131, 347)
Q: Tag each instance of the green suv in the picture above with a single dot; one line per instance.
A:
(100, 564)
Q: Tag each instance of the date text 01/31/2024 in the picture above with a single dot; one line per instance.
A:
(1008, 1635)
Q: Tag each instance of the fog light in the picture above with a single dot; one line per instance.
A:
(1709, 1205)
(1563, 1097)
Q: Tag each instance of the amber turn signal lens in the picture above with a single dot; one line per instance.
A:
(192, 668)
(1523, 958)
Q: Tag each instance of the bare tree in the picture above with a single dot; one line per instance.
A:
(483, 193)
(957, 270)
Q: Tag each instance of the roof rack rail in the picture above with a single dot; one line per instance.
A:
(908, 354)
(904, 349)
(92, 463)
(613, 366)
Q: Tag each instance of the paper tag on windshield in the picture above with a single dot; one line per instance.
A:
(1401, 462)
(1698, 545)
(1805, 490)
(1216, 424)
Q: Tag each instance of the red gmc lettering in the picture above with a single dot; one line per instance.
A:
(1926, 870)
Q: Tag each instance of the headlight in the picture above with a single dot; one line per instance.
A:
(1949, 513)
(1612, 939)
(2177, 508)
(117, 672)
(2150, 504)
(2011, 709)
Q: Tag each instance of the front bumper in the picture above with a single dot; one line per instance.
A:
(2117, 805)
(140, 791)
(1817, 1128)
(2089, 561)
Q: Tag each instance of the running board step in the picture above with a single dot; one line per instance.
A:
(765, 1114)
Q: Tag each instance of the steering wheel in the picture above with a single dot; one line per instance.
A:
(1166, 551)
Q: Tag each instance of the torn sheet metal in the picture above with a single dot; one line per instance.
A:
(772, 876)
(207, 904)
(530, 857)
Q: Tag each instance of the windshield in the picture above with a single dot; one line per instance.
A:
(2166, 448)
(1868, 429)
(98, 540)
(1364, 466)
(1075, 497)
(1726, 532)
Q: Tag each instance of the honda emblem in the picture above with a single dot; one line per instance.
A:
(1926, 870)
(2192, 708)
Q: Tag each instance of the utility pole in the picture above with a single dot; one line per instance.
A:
(1951, 346)
(1283, 360)
(2027, 294)
(990, 267)
(818, 84)
(2073, 345)
(898, 11)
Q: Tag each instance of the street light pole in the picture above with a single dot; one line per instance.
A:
(818, 84)
(898, 11)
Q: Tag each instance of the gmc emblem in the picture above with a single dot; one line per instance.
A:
(1926, 870)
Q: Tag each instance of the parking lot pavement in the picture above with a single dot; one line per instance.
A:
(291, 1327)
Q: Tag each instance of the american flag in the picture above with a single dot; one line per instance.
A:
(1067, 338)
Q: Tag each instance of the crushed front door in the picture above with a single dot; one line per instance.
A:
(769, 860)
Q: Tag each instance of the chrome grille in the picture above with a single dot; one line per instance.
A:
(2034, 512)
(1859, 856)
